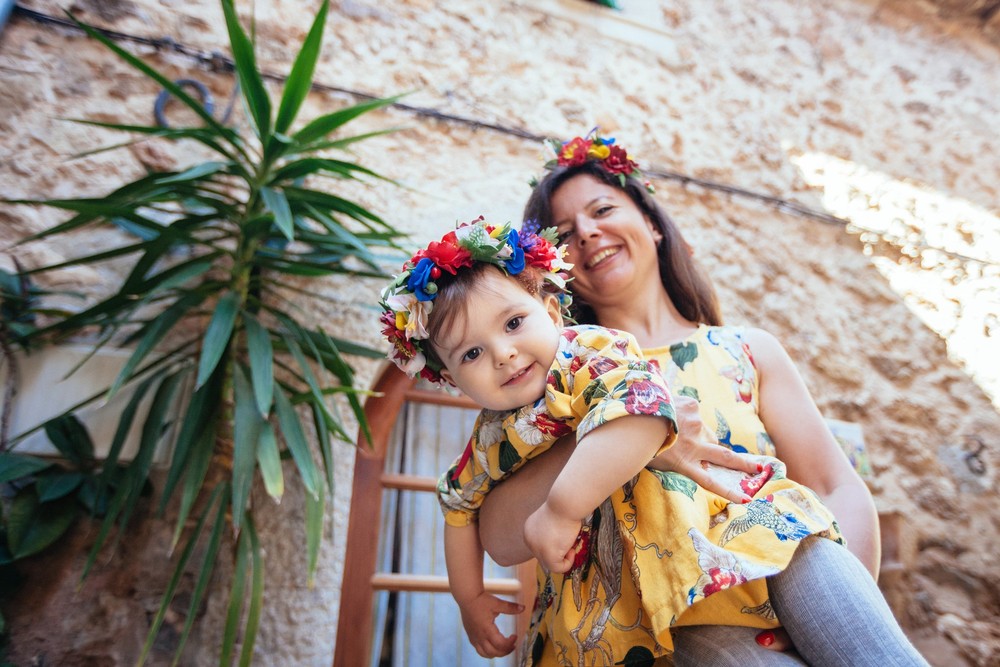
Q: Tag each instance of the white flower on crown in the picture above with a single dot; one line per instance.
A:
(415, 311)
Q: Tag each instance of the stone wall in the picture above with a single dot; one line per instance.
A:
(880, 112)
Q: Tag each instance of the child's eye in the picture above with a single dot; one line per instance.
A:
(514, 322)
(471, 355)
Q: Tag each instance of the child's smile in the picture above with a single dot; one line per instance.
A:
(499, 350)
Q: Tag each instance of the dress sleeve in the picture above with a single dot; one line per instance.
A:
(608, 377)
(462, 488)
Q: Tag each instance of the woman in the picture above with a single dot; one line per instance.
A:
(618, 238)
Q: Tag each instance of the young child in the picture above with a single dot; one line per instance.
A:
(482, 310)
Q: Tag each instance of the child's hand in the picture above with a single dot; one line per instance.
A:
(552, 538)
(478, 616)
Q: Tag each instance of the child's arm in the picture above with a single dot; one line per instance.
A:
(463, 554)
(604, 460)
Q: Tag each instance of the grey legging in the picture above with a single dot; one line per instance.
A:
(831, 608)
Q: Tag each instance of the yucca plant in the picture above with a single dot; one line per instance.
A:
(215, 244)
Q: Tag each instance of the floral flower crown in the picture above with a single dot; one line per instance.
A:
(409, 298)
(595, 148)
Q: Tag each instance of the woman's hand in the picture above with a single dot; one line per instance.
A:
(695, 447)
(552, 538)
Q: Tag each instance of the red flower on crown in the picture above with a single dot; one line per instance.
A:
(541, 255)
(574, 152)
(446, 254)
(618, 161)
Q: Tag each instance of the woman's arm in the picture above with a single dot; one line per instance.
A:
(508, 505)
(604, 460)
(813, 457)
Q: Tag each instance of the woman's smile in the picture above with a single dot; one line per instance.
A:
(601, 255)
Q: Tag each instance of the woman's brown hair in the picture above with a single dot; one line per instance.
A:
(685, 281)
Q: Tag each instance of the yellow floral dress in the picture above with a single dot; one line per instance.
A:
(664, 551)
(598, 375)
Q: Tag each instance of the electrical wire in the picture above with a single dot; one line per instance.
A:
(217, 61)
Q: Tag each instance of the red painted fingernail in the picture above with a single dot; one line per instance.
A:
(746, 499)
(765, 638)
(760, 467)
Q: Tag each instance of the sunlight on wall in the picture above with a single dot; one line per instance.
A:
(940, 253)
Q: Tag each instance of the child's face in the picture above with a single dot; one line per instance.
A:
(499, 350)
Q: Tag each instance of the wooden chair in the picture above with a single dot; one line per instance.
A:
(361, 579)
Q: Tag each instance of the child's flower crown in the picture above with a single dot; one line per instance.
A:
(594, 148)
(409, 298)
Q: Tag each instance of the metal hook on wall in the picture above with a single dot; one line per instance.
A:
(203, 94)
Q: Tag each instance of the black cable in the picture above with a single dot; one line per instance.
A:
(219, 62)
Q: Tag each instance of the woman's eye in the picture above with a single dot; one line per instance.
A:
(514, 322)
(604, 210)
(472, 354)
(563, 236)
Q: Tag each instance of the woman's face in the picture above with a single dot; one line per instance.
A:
(609, 241)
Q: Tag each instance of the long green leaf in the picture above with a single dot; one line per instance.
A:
(307, 373)
(360, 250)
(331, 202)
(300, 78)
(201, 409)
(251, 84)
(90, 259)
(324, 125)
(195, 173)
(343, 142)
(256, 596)
(295, 440)
(179, 569)
(202, 136)
(321, 423)
(277, 203)
(204, 574)
(154, 427)
(217, 336)
(269, 461)
(261, 363)
(15, 466)
(307, 166)
(110, 468)
(153, 333)
(194, 479)
(345, 375)
(175, 90)
(239, 582)
(315, 510)
(126, 496)
(247, 428)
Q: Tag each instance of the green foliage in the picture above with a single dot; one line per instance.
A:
(202, 307)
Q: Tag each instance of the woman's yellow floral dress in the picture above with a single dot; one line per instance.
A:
(664, 551)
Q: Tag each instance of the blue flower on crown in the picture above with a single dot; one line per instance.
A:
(419, 278)
(515, 264)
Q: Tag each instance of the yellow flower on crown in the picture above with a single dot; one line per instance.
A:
(598, 151)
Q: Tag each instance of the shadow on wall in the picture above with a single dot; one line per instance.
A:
(939, 252)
